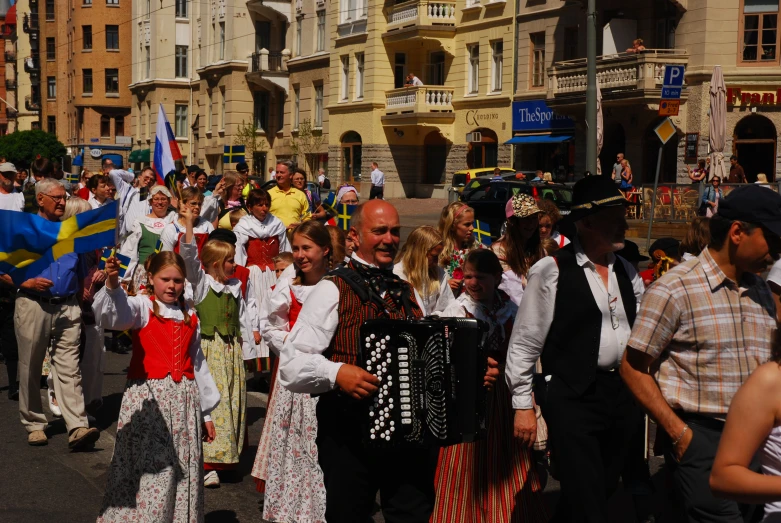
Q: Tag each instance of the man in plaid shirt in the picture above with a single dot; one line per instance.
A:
(701, 330)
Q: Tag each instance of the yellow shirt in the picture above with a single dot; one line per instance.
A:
(290, 207)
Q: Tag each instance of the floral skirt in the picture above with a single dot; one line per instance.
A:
(295, 491)
(226, 365)
(260, 468)
(156, 473)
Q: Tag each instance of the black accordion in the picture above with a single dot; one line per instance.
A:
(431, 375)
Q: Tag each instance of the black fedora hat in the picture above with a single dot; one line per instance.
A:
(592, 194)
(631, 252)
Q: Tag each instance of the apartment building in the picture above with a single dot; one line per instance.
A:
(28, 66)
(455, 116)
(8, 67)
(549, 101)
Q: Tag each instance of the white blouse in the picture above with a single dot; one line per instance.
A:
(115, 310)
(170, 234)
(201, 283)
(275, 311)
(129, 246)
(250, 227)
(433, 303)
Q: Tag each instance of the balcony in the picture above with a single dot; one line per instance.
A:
(423, 104)
(268, 70)
(30, 23)
(623, 77)
(274, 10)
(32, 64)
(10, 56)
(419, 20)
(11, 113)
(32, 104)
(10, 85)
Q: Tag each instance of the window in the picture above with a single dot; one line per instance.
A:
(571, 43)
(181, 8)
(209, 110)
(49, 10)
(222, 109)
(760, 31)
(148, 66)
(148, 119)
(318, 107)
(497, 58)
(181, 61)
(399, 70)
(222, 40)
(474, 68)
(352, 10)
(321, 30)
(280, 113)
(112, 37)
(538, 59)
(51, 87)
(51, 124)
(112, 81)
(86, 2)
(105, 127)
(180, 117)
(86, 76)
(260, 110)
(345, 78)
(359, 76)
(296, 108)
(51, 49)
(299, 31)
(112, 2)
(119, 126)
(86, 37)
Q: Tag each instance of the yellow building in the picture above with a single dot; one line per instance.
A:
(460, 53)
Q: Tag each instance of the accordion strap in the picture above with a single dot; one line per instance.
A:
(366, 293)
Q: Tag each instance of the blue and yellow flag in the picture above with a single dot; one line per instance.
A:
(29, 243)
(344, 213)
(329, 204)
(482, 232)
(124, 261)
(72, 177)
(233, 154)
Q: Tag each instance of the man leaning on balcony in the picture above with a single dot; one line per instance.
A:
(413, 80)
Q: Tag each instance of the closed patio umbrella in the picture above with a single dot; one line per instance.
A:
(718, 123)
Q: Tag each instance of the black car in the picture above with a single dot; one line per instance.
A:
(489, 200)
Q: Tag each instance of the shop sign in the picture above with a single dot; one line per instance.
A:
(535, 115)
(737, 96)
(478, 118)
(669, 107)
(95, 153)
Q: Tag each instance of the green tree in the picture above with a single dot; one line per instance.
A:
(247, 135)
(306, 144)
(23, 147)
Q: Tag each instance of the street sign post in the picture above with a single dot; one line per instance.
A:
(669, 107)
(664, 131)
(672, 85)
(671, 93)
(673, 75)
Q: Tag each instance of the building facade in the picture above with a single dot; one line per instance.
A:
(8, 67)
(28, 66)
(549, 105)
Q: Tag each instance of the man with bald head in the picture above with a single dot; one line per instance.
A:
(320, 355)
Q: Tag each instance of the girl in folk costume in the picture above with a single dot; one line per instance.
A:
(492, 480)
(144, 238)
(456, 224)
(287, 454)
(232, 197)
(223, 313)
(417, 262)
(190, 202)
(260, 237)
(155, 473)
(549, 217)
(520, 247)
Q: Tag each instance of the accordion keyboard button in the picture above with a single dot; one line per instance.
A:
(403, 350)
(406, 415)
(403, 357)
(404, 385)
(406, 399)
(406, 421)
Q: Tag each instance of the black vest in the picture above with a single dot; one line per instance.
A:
(571, 349)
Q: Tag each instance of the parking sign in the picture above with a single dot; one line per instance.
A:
(673, 75)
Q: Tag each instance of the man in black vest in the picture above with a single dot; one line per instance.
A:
(577, 313)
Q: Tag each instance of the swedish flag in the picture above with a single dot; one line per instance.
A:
(329, 204)
(482, 232)
(72, 177)
(233, 154)
(124, 261)
(29, 243)
(344, 213)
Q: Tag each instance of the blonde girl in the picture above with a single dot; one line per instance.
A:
(155, 473)
(191, 202)
(418, 263)
(224, 316)
(456, 224)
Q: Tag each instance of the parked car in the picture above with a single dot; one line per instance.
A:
(489, 200)
(480, 180)
(462, 178)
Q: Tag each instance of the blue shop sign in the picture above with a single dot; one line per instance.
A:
(535, 115)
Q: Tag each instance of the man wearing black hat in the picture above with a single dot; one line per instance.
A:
(703, 328)
(577, 312)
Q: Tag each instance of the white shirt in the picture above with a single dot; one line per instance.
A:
(250, 227)
(275, 311)
(378, 178)
(560, 239)
(131, 207)
(171, 232)
(321, 179)
(273, 175)
(535, 318)
(416, 81)
(129, 246)
(434, 303)
(95, 203)
(12, 202)
(302, 366)
(115, 310)
(775, 273)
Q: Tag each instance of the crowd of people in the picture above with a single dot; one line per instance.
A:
(243, 281)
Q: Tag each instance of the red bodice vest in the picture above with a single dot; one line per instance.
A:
(261, 252)
(162, 348)
(241, 273)
(295, 309)
(200, 241)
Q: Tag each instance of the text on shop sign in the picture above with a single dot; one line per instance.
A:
(737, 96)
(535, 115)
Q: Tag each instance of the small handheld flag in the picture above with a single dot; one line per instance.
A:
(233, 154)
(344, 213)
(329, 203)
(482, 232)
(72, 177)
(159, 245)
(123, 260)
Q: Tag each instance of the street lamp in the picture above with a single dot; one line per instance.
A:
(591, 87)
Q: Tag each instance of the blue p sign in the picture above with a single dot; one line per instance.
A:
(673, 75)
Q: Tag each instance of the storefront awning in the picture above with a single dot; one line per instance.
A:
(540, 138)
(138, 156)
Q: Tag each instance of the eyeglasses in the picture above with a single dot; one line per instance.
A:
(613, 304)
(55, 198)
